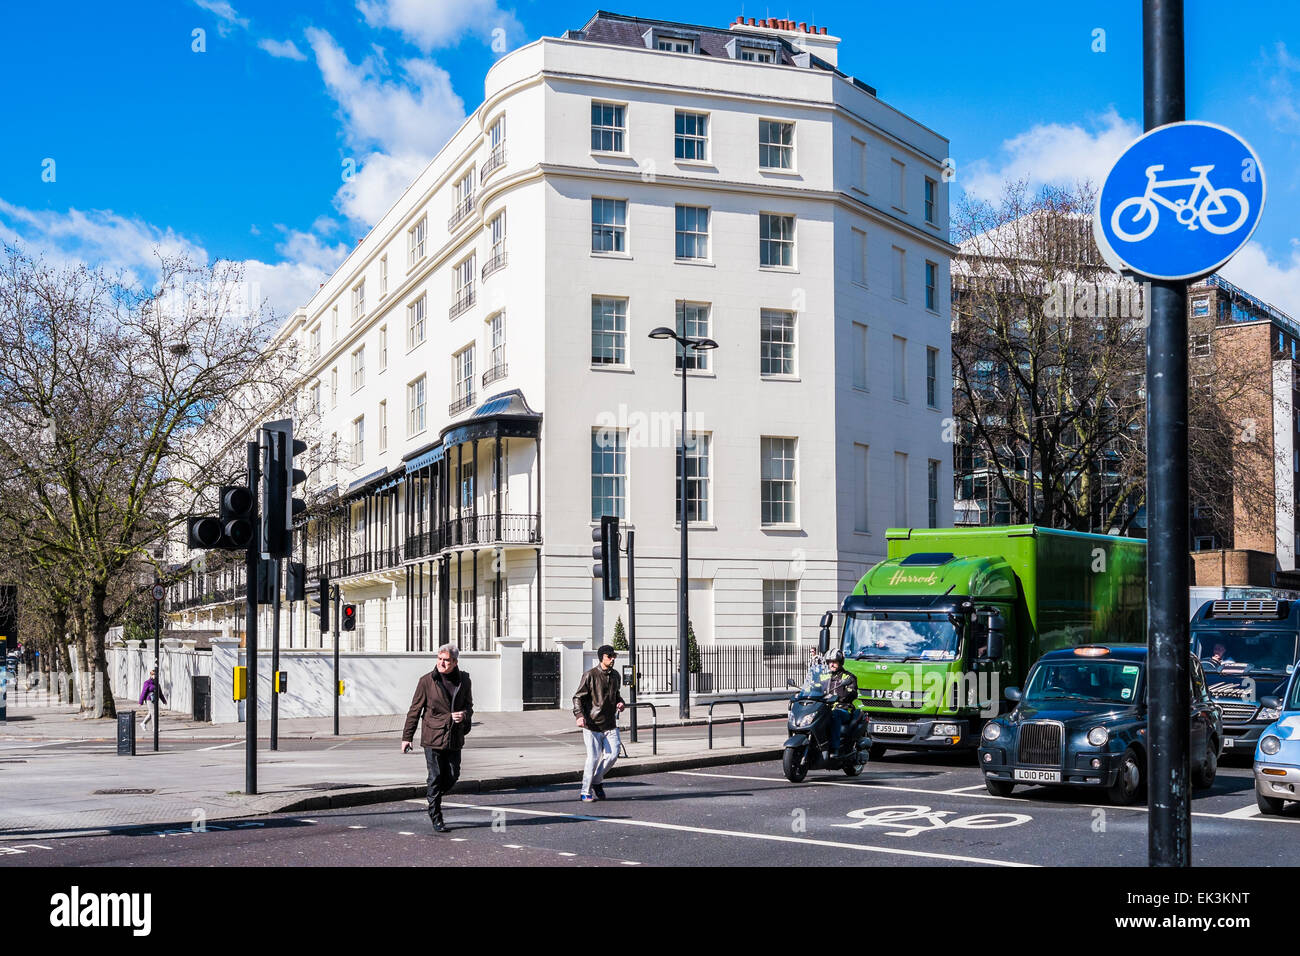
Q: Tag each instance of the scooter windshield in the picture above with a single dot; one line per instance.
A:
(815, 681)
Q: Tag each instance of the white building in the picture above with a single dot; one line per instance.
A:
(493, 326)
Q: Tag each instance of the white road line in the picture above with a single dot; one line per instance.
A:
(405, 833)
(1240, 814)
(562, 853)
(512, 846)
(457, 839)
(237, 743)
(630, 863)
(741, 834)
(978, 786)
(356, 826)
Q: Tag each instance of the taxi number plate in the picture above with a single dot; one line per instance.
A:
(891, 729)
(1228, 742)
(1045, 776)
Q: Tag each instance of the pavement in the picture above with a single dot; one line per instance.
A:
(60, 773)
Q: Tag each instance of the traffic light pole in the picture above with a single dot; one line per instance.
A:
(1169, 837)
(251, 558)
(631, 621)
(157, 662)
(275, 661)
(336, 659)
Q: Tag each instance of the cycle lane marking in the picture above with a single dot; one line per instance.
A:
(739, 834)
(1241, 813)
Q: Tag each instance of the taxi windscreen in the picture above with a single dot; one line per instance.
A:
(1083, 679)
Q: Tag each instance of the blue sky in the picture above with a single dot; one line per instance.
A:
(238, 150)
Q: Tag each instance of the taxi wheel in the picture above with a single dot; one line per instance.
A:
(1268, 804)
(1128, 782)
(1203, 776)
(999, 788)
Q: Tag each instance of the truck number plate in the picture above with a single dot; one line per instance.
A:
(891, 729)
(1043, 776)
(1228, 742)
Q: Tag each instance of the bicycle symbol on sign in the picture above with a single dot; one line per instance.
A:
(896, 819)
(1193, 212)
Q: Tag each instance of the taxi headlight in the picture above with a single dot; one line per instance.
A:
(1098, 736)
(992, 731)
(1270, 745)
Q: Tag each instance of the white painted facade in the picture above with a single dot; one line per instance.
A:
(842, 407)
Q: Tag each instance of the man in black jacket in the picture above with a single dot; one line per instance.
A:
(597, 704)
(443, 705)
(844, 687)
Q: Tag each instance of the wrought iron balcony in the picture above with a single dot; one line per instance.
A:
(460, 404)
(463, 209)
(498, 261)
(495, 373)
(496, 159)
(464, 299)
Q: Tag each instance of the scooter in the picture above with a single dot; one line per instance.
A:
(809, 725)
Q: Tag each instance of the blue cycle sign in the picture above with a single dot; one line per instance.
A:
(1179, 202)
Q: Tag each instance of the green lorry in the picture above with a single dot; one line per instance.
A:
(937, 631)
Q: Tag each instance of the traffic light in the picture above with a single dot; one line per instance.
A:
(605, 555)
(349, 617)
(279, 478)
(324, 605)
(295, 582)
(232, 530)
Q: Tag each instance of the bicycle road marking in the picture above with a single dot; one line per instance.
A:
(739, 834)
(1238, 814)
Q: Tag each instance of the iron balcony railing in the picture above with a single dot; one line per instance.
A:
(462, 300)
(463, 209)
(469, 530)
(460, 404)
(497, 261)
(495, 373)
(496, 159)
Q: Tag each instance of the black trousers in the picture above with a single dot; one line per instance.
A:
(444, 771)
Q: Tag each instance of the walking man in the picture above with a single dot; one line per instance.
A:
(597, 705)
(443, 705)
(147, 692)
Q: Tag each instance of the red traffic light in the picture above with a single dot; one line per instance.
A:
(349, 617)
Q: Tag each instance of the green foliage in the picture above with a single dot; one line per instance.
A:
(693, 663)
(620, 636)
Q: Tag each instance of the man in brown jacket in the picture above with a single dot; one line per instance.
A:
(445, 702)
(597, 704)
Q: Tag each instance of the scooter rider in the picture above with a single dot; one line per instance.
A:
(844, 687)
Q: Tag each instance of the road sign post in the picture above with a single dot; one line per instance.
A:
(1177, 204)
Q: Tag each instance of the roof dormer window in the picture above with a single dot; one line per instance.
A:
(672, 40)
(754, 49)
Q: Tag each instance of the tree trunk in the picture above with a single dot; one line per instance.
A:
(99, 634)
(85, 684)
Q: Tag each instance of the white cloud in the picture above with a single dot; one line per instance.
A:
(132, 246)
(225, 13)
(398, 123)
(1052, 153)
(1277, 282)
(282, 49)
(430, 24)
(416, 114)
(1281, 104)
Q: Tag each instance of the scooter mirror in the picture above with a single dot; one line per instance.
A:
(824, 636)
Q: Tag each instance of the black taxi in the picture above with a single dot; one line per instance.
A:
(1081, 721)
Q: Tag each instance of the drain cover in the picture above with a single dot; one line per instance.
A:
(118, 792)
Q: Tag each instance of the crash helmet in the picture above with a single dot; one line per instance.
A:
(835, 655)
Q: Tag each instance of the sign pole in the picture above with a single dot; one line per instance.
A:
(157, 659)
(1169, 836)
(251, 558)
(336, 660)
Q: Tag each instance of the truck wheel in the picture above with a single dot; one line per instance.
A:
(1128, 782)
(1269, 805)
(876, 751)
(1203, 776)
(794, 764)
(999, 788)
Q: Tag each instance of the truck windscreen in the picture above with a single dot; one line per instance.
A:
(1247, 650)
(899, 636)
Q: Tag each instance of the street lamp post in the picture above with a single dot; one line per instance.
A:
(687, 344)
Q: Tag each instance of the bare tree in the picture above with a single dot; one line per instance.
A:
(104, 386)
(1049, 365)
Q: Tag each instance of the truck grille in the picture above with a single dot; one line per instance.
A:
(1237, 713)
(1040, 744)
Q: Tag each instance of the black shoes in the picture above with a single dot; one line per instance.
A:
(438, 825)
(598, 790)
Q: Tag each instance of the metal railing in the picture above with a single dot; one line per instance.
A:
(462, 301)
(462, 209)
(460, 404)
(495, 373)
(729, 700)
(497, 261)
(722, 669)
(495, 160)
(654, 724)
